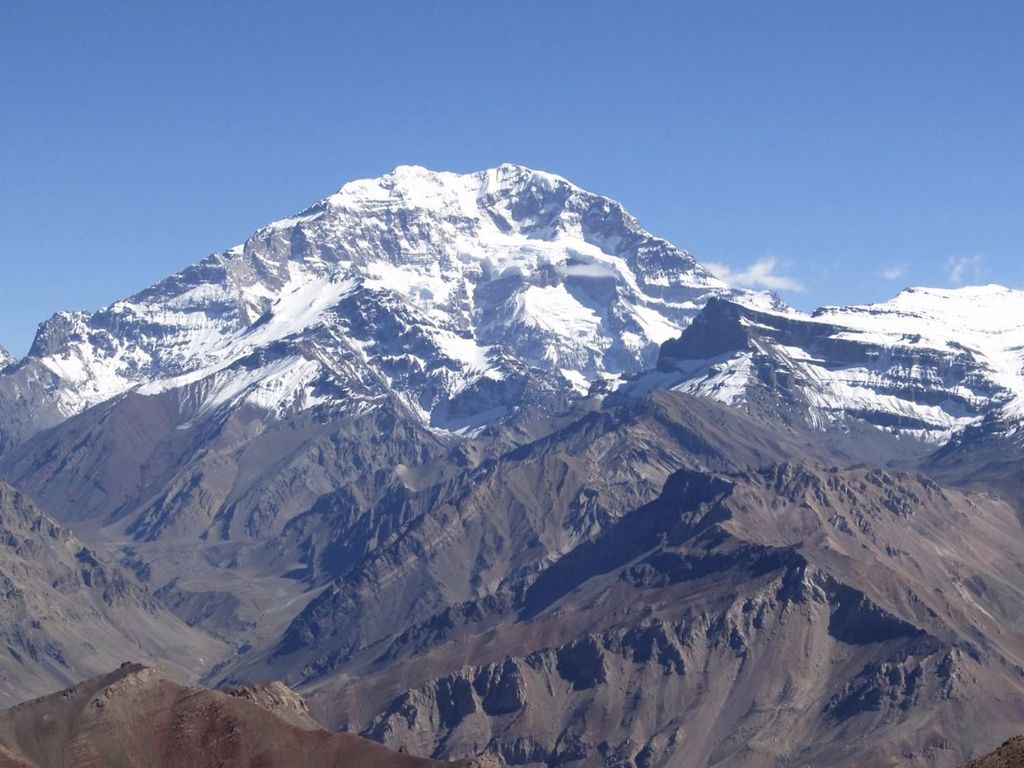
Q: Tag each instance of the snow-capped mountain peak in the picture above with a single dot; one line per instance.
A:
(465, 296)
(460, 295)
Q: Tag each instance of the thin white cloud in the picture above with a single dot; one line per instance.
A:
(893, 272)
(760, 274)
(962, 270)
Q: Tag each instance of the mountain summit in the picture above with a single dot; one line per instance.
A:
(461, 297)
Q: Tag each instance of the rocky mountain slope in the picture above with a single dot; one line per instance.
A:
(1009, 755)
(66, 614)
(568, 605)
(137, 716)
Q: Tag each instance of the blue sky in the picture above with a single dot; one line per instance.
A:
(835, 151)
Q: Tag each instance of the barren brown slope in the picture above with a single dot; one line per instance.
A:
(136, 716)
(788, 616)
(1009, 755)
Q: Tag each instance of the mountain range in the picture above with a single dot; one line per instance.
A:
(481, 466)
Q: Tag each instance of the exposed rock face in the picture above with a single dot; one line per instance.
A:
(279, 699)
(137, 716)
(66, 613)
(659, 580)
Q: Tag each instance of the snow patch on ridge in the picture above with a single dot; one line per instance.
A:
(929, 363)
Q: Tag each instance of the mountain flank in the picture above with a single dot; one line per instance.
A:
(67, 611)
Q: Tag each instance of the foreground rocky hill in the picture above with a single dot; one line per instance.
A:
(137, 716)
(1009, 755)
